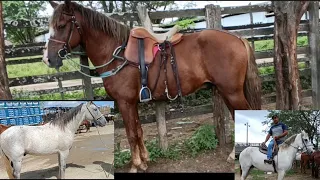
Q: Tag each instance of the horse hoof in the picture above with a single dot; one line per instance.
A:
(230, 160)
(133, 170)
(143, 166)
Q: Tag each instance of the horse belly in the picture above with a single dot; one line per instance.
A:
(42, 143)
(258, 158)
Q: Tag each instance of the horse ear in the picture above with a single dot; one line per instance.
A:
(53, 4)
(68, 4)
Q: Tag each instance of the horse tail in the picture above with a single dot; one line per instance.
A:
(316, 172)
(252, 85)
(8, 165)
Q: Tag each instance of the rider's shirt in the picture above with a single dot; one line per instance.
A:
(277, 130)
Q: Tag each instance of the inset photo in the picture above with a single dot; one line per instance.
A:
(277, 144)
(56, 139)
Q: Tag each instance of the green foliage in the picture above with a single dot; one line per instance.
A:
(187, 23)
(121, 158)
(203, 139)
(307, 120)
(19, 10)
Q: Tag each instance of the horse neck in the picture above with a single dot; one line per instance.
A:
(291, 150)
(99, 47)
(76, 121)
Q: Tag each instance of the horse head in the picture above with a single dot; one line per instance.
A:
(94, 114)
(305, 143)
(64, 29)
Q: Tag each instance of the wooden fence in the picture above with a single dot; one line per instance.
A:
(253, 32)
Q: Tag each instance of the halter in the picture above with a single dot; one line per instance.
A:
(92, 114)
(66, 51)
(62, 53)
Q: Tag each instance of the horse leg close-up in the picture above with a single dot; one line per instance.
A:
(244, 172)
(63, 160)
(17, 167)
(129, 113)
(144, 154)
(281, 174)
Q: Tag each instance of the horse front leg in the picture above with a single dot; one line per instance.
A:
(281, 174)
(62, 165)
(129, 113)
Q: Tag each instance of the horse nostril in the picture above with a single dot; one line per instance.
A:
(49, 60)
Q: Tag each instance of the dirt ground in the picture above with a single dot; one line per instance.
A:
(212, 161)
(296, 176)
(90, 157)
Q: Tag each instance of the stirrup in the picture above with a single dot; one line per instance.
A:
(147, 94)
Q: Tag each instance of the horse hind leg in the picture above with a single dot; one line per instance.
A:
(244, 171)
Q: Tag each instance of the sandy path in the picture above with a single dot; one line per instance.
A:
(88, 158)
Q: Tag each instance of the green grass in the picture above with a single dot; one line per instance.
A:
(265, 45)
(202, 140)
(74, 95)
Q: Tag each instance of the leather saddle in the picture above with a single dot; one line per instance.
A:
(151, 40)
(264, 149)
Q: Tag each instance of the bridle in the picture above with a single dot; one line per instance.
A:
(304, 145)
(92, 114)
(62, 53)
(66, 50)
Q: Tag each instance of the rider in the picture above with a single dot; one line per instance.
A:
(278, 131)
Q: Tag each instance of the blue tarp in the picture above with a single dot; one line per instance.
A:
(20, 112)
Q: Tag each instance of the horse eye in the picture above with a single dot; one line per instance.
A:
(61, 26)
(306, 140)
(95, 109)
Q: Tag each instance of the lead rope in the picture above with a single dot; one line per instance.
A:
(107, 174)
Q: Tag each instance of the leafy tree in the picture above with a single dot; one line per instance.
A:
(297, 121)
(19, 10)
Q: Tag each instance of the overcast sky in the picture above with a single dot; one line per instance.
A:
(75, 103)
(254, 118)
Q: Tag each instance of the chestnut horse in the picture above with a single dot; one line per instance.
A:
(204, 59)
(315, 161)
(305, 159)
(3, 128)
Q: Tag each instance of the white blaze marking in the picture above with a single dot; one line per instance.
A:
(51, 31)
(45, 54)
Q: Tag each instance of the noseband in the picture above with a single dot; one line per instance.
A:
(62, 53)
(304, 145)
(92, 114)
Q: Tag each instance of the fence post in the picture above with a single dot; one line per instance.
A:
(314, 53)
(4, 82)
(88, 89)
(160, 105)
(220, 111)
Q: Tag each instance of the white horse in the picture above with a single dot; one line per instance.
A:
(252, 157)
(54, 137)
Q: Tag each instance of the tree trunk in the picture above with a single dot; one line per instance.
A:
(104, 6)
(5, 93)
(123, 6)
(111, 6)
(286, 24)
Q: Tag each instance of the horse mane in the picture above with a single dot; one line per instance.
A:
(94, 20)
(288, 141)
(65, 118)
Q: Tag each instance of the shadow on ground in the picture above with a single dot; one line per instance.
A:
(46, 173)
(105, 166)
